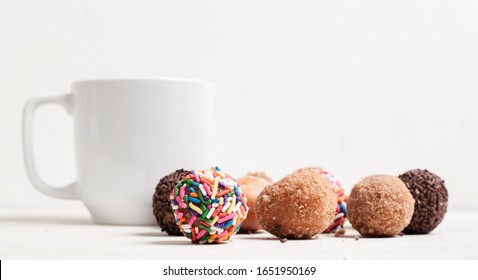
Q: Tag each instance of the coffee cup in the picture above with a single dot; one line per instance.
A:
(128, 133)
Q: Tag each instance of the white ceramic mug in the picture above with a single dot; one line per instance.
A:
(128, 134)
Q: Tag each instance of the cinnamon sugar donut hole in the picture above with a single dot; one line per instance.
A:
(251, 186)
(380, 206)
(299, 206)
(262, 175)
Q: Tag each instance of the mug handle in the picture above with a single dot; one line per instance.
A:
(66, 101)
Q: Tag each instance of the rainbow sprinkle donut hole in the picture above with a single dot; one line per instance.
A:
(341, 210)
(209, 206)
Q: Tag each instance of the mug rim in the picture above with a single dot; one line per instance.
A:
(151, 79)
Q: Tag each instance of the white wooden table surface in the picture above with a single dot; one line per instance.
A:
(56, 229)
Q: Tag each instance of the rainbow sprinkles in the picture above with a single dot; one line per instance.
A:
(209, 206)
(341, 209)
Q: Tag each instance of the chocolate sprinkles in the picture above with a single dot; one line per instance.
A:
(162, 206)
(431, 200)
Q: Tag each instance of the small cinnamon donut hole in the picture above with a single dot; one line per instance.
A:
(262, 175)
(380, 206)
(299, 206)
(251, 186)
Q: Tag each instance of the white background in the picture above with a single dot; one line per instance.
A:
(359, 87)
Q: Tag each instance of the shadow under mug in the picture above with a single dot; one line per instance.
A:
(128, 134)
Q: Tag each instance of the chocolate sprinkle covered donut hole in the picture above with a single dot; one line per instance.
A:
(162, 206)
(380, 206)
(431, 200)
(299, 206)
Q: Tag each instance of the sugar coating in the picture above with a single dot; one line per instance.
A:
(262, 175)
(380, 206)
(299, 206)
(252, 186)
(341, 208)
